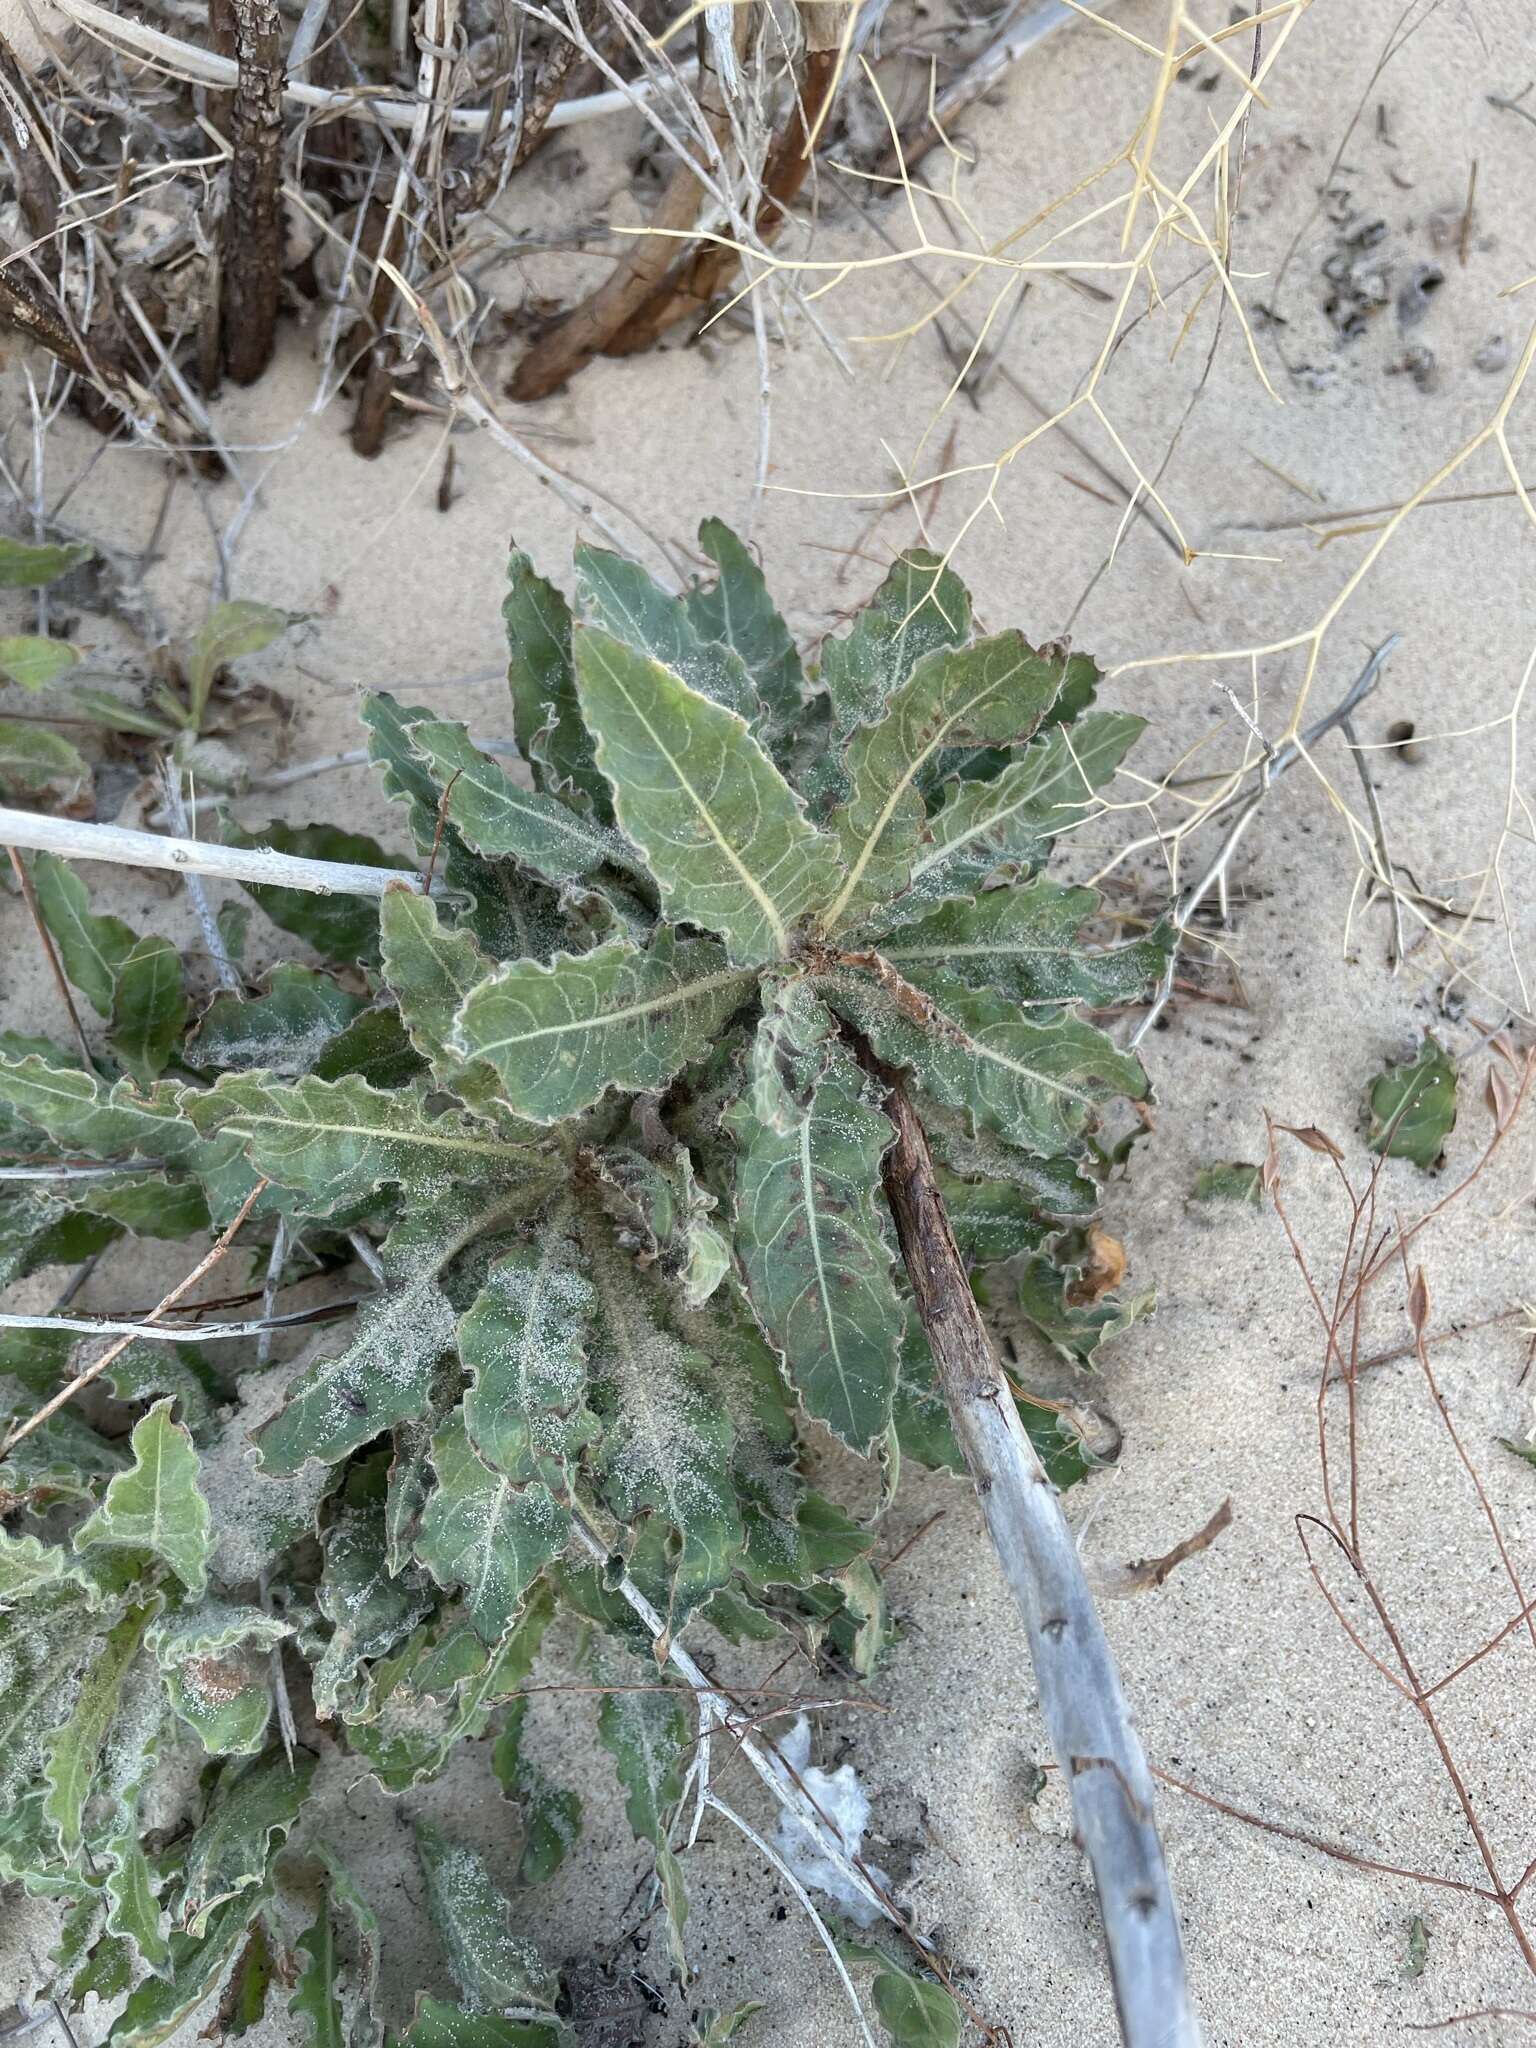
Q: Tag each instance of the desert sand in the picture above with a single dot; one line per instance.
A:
(1241, 1679)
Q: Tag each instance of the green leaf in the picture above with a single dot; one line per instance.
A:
(739, 611)
(115, 714)
(340, 928)
(346, 1892)
(560, 1036)
(253, 1807)
(230, 630)
(713, 2029)
(443, 2026)
(486, 1533)
(551, 1814)
(1022, 942)
(155, 1505)
(807, 1229)
(34, 758)
(992, 1220)
(282, 1032)
(1038, 1084)
(494, 1968)
(1012, 820)
(316, 1999)
(921, 606)
(34, 662)
(620, 597)
(916, 2012)
(924, 1432)
(1075, 1331)
(1230, 1180)
(371, 1608)
(1413, 1105)
(431, 969)
(42, 1227)
(148, 1204)
(996, 691)
(216, 1662)
(159, 2006)
(385, 1374)
(524, 1346)
(374, 1047)
(645, 1731)
(545, 715)
(149, 1008)
(29, 568)
(499, 818)
(721, 830)
(62, 1459)
(91, 948)
(135, 1912)
(74, 1751)
(660, 1207)
(338, 1142)
(665, 1442)
(27, 1563)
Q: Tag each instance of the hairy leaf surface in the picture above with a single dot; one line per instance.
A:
(919, 607)
(156, 1505)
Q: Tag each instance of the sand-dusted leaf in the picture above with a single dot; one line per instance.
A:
(501, 819)
(24, 566)
(997, 691)
(645, 1732)
(1073, 1321)
(384, 1375)
(1230, 1180)
(551, 1814)
(620, 597)
(91, 948)
(664, 1213)
(919, 607)
(430, 968)
(1023, 942)
(316, 1998)
(340, 928)
(240, 626)
(32, 661)
(252, 1808)
(134, 1911)
(27, 1564)
(916, 2012)
(282, 1032)
(1012, 819)
(74, 1750)
(41, 1226)
(993, 1220)
(215, 1658)
(156, 1506)
(35, 758)
(1038, 1084)
(337, 1142)
(62, 1459)
(713, 2029)
(44, 1646)
(664, 1442)
(720, 828)
(545, 715)
(737, 610)
(523, 1344)
(486, 1533)
(375, 1047)
(364, 2030)
(437, 2025)
(495, 1969)
(1413, 1105)
(148, 1204)
(149, 1008)
(560, 1036)
(371, 1606)
(807, 1230)
(158, 2006)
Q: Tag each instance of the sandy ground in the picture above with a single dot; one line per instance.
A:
(1240, 1677)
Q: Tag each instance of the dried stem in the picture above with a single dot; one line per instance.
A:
(29, 897)
(251, 271)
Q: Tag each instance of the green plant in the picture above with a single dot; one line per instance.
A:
(614, 1096)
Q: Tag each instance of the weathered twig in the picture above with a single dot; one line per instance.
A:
(1399, 945)
(34, 911)
(1080, 1697)
(123, 848)
(251, 271)
(183, 1333)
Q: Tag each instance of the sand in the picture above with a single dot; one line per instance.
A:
(1241, 1679)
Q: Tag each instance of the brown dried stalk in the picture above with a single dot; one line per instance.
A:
(252, 268)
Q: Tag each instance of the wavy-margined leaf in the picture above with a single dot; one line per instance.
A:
(340, 928)
(662, 1209)
(74, 1750)
(253, 1806)
(1413, 1105)
(737, 610)
(40, 1226)
(216, 1662)
(149, 1008)
(34, 758)
(560, 1036)
(148, 1204)
(62, 1459)
(486, 1533)
(1012, 819)
(645, 1732)
(545, 715)
(499, 818)
(431, 969)
(996, 691)
(158, 2006)
(551, 1814)
(818, 1267)
(316, 1997)
(1075, 1328)
(1038, 1084)
(620, 597)
(337, 1142)
(371, 1607)
(134, 1912)
(27, 1564)
(91, 948)
(524, 1345)
(919, 607)
(437, 2025)
(156, 1505)
(385, 1373)
(25, 565)
(993, 1220)
(1022, 942)
(282, 1032)
(33, 661)
(665, 1442)
(720, 828)
(495, 1969)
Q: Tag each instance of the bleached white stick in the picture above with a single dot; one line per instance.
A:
(115, 843)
